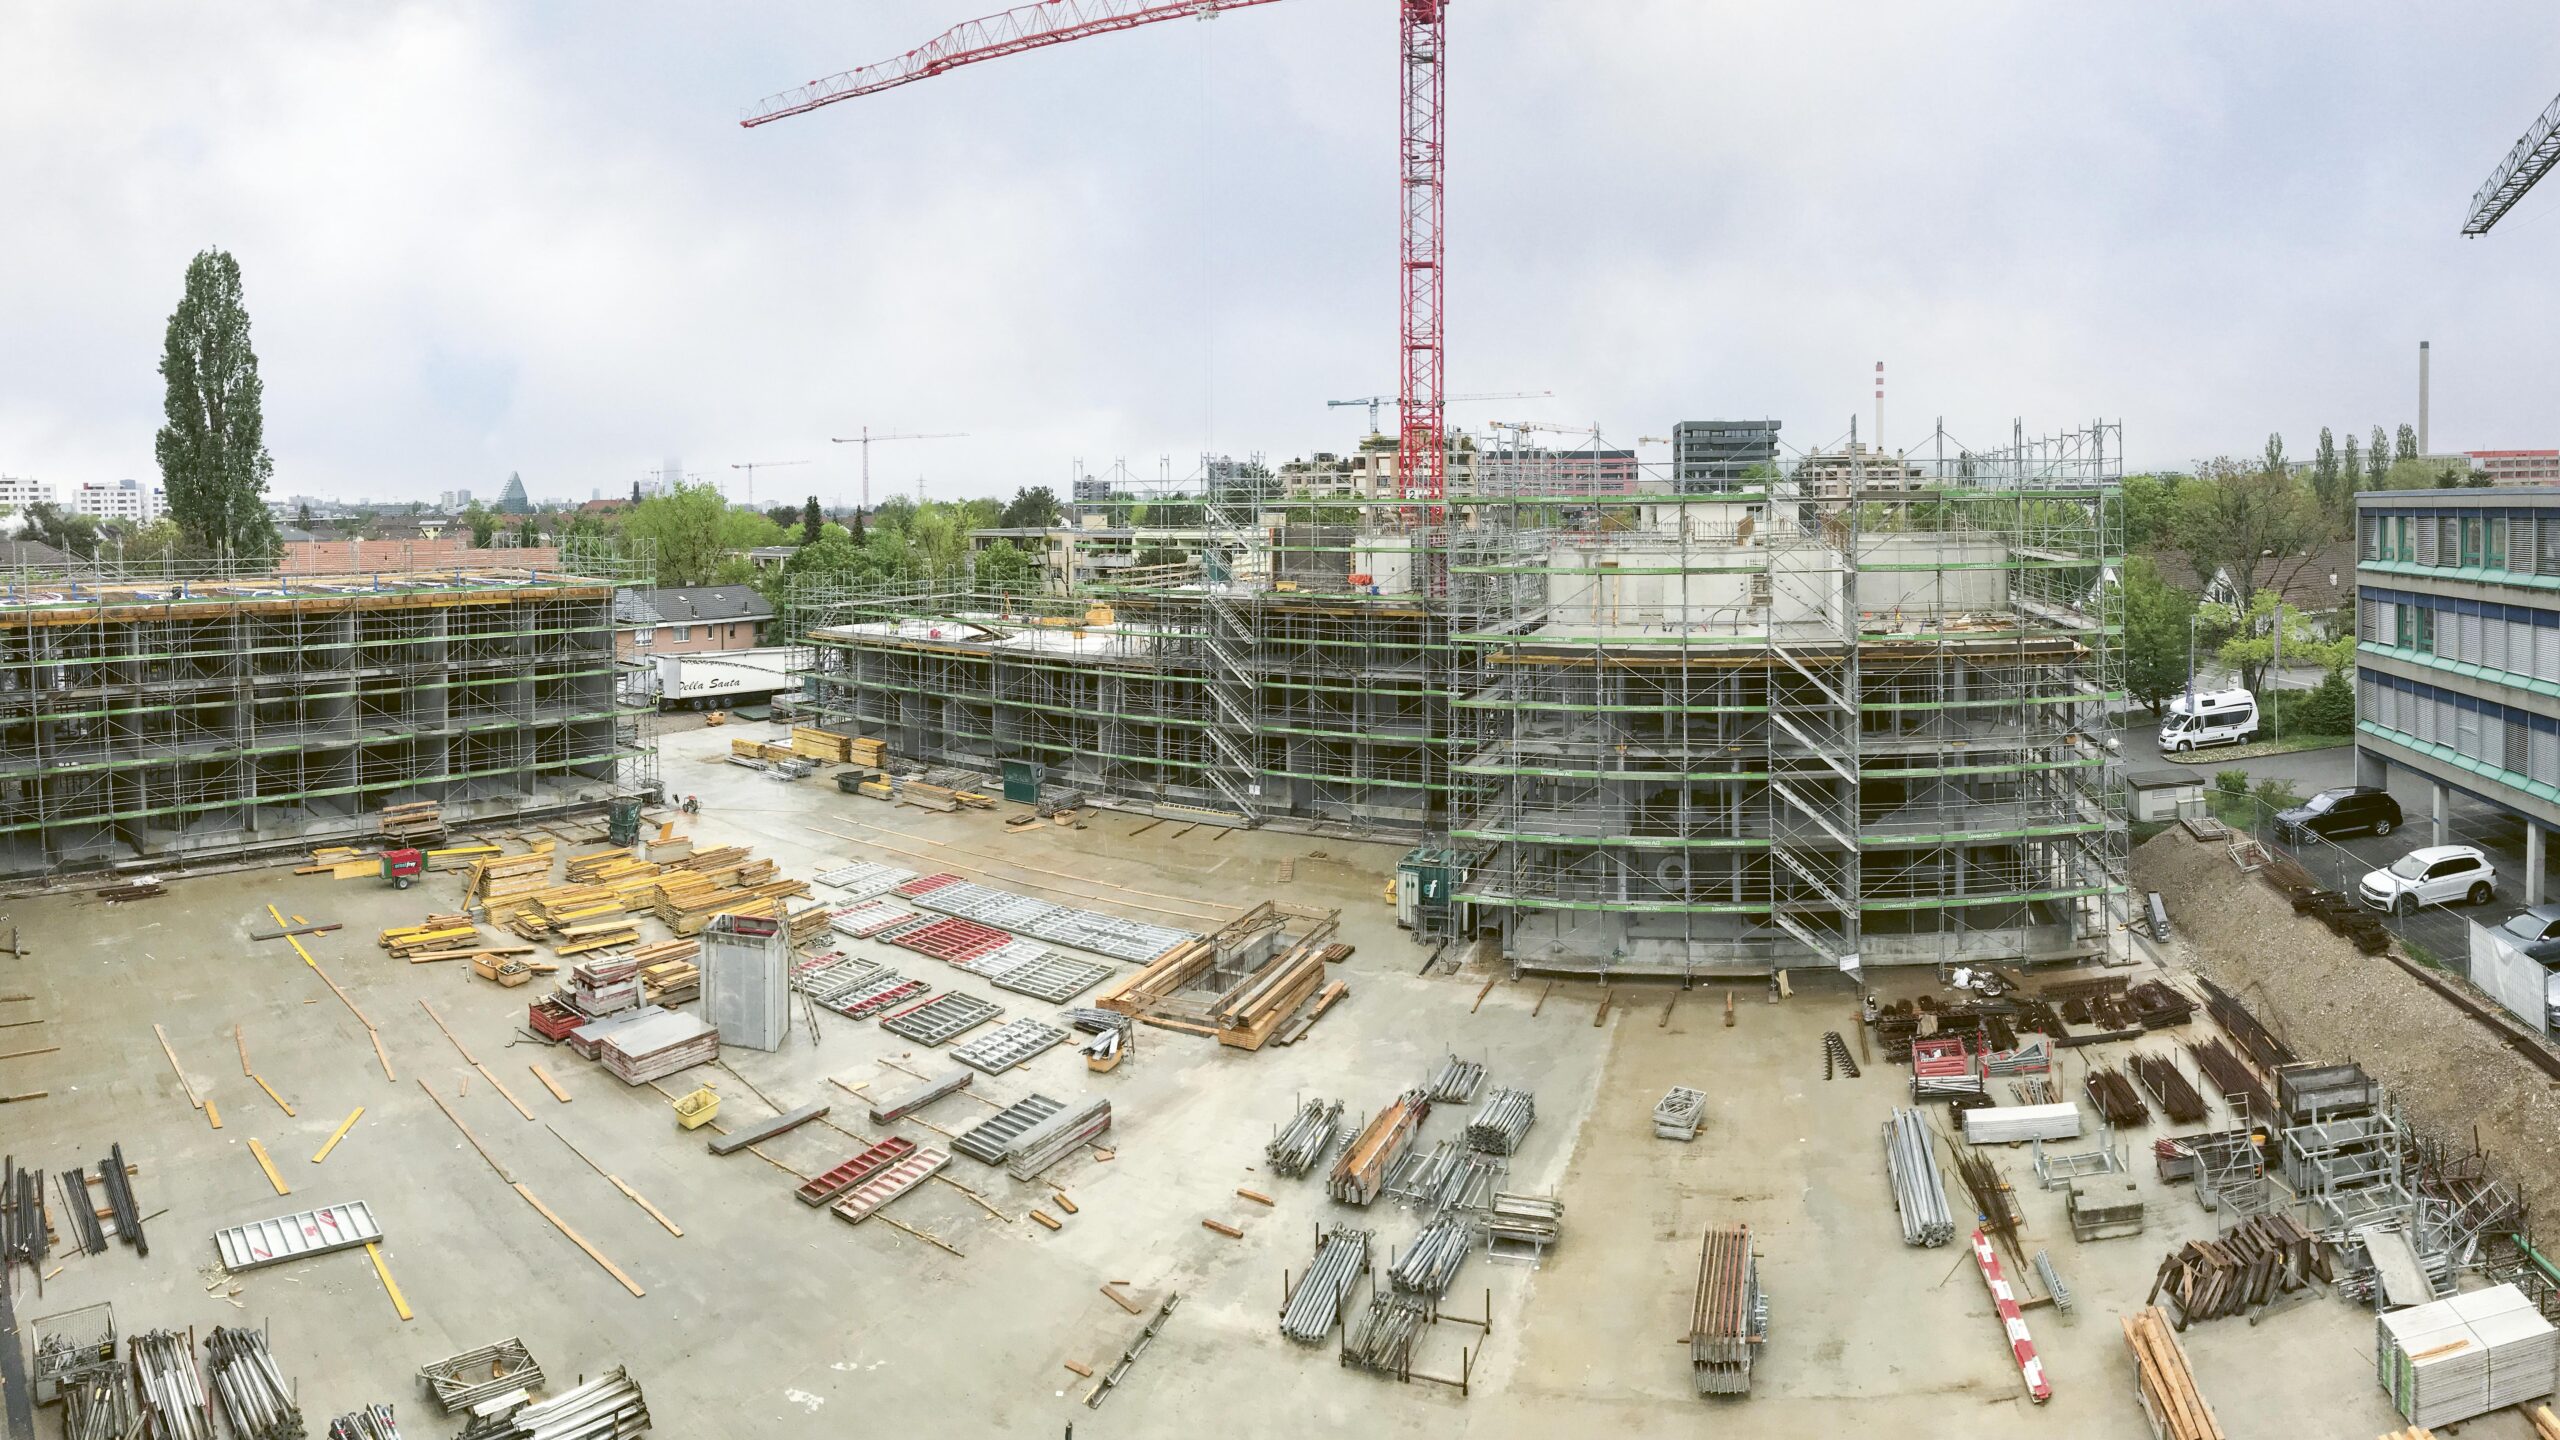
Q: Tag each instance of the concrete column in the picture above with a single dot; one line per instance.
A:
(2532, 863)
(2372, 769)
(2437, 801)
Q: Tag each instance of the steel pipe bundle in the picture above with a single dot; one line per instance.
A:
(1467, 1184)
(96, 1405)
(1315, 1306)
(1381, 1340)
(1502, 1122)
(608, 1407)
(1298, 1148)
(1532, 1220)
(1428, 1265)
(373, 1422)
(173, 1399)
(256, 1401)
(1457, 1081)
(1919, 1192)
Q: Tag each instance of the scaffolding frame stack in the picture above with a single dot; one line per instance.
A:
(172, 713)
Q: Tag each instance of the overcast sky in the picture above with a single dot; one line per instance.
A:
(483, 237)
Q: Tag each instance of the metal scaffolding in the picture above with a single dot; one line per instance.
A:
(1852, 716)
(149, 715)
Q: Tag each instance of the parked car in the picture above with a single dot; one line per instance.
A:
(2336, 814)
(2536, 932)
(2432, 875)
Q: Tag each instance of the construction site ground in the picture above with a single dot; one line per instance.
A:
(768, 1318)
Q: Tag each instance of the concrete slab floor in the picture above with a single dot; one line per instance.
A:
(767, 1318)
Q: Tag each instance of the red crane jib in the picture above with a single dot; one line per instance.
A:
(1422, 450)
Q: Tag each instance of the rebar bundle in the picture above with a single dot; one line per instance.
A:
(256, 1402)
(1303, 1144)
(373, 1422)
(1991, 1197)
(173, 1399)
(2231, 1077)
(2170, 1087)
(1502, 1122)
(2117, 1101)
(1432, 1261)
(1457, 1082)
(1919, 1192)
(1315, 1306)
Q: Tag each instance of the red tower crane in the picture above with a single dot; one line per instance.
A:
(1422, 445)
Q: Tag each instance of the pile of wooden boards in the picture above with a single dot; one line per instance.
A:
(809, 925)
(499, 882)
(607, 867)
(460, 857)
(1249, 1011)
(826, 745)
(341, 862)
(687, 899)
(2546, 1426)
(2163, 1380)
(595, 935)
(1154, 992)
(2269, 1256)
(415, 824)
(436, 932)
(746, 749)
(1362, 1171)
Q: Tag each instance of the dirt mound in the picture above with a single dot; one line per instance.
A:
(2332, 1004)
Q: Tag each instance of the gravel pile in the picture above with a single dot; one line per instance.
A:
(2332, 1004)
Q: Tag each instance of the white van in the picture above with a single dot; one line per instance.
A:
(2209, 717)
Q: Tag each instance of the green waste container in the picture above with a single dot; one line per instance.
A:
(622, 822)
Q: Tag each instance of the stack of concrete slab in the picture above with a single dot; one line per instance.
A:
(2449, 1360)
(656, 1048)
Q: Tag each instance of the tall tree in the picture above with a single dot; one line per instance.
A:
(2407, 446)
(2324, 473)
(2155, 633)
(528, 534)
(483, 522)
(2274, 455)
(302, 515)
(2149, 501)
(2245, 522)
(2377, 460)
(685, 525)
(1034, 507)
(2350, 468)
(812, 520)
(212, 449)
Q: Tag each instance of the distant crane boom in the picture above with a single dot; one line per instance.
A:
(2530, 160)
(866, 439)
(1024, 27)
(752, 466)
(1374, 401)
(1422, 460)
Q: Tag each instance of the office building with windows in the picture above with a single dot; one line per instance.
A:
(2458, 651)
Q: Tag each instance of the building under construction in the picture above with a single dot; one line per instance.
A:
(152, 717)
(1819, 722)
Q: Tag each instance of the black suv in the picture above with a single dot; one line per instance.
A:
(2336, 814)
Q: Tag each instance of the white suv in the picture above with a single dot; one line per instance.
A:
(2433, 875)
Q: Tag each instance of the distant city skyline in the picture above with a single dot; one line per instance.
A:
(2243, 220)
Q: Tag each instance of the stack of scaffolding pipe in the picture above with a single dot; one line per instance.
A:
(1525, 1219)
(173, 1398)
(1466, 1184)
(1050, 1141)
(1677, 1117)
(1919, 1192)
(1502, 1122)
(1432, 1260)
(1457, 1081)
(608, 1407)
(373, 1422)
(1315, 1306)
(1729, 1318)
(1310, 1133)
(256, 1401)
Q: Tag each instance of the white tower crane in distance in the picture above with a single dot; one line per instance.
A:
(1374, 402)
(752, 466)
(866, 440)
(2530, 160)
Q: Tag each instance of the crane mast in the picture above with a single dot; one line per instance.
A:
(1422, 452)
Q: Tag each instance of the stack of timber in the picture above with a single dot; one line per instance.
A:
(817, 744)
(2241, 1269)
(500, 883)
(670, 971)
(1362, 1171)
(1249, 1011)
(869, 752)
(2164, 1382)
(668, 849)
(595, 935)
(745, 749)
(810, 926)
(415, 825)
(341, 862)
(1727, 1318)
(608, 867)
(460, 857)
(435, 933)
(604, 987)
(1155, 992)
